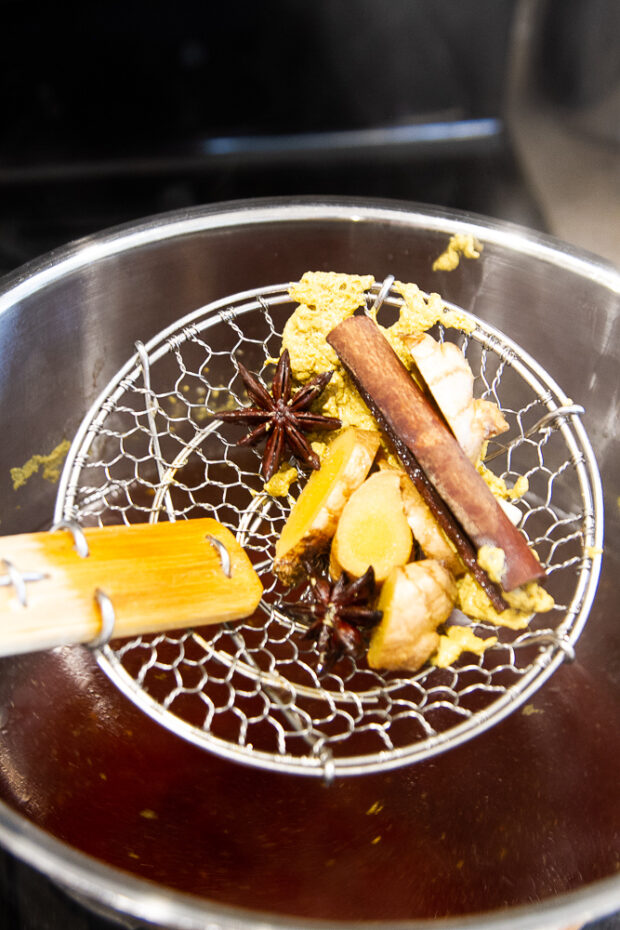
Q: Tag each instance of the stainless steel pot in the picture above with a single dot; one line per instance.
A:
(520, 827)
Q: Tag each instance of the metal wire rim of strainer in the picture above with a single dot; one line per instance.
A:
(249, 691)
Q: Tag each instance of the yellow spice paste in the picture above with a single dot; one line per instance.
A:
(326, 299)
(523, 602)
(459, 244)
(458, 639)
(51, 466)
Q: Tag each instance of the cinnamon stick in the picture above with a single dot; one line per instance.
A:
(458, 496)
(446, 521)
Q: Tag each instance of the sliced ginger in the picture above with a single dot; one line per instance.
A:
(449, 378)
(415, 599)
(432, 540)
(313, 520)
(426, 531)
(372, 529)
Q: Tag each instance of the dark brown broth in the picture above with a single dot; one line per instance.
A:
(523, 812)
(528, 810)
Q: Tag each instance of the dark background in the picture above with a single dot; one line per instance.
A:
(114, 112)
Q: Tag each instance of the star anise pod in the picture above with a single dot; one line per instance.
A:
(280, 416)
(335, 614)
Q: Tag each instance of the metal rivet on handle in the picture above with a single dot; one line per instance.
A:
(223, 553)
(108, 620)
(81, 545)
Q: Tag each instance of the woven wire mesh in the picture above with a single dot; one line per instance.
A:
(251, 691)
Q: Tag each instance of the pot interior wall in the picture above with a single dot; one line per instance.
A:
(524, 813)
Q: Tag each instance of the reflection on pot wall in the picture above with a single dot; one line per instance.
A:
(563, 111)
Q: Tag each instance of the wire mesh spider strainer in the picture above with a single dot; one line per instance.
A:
(149, 449)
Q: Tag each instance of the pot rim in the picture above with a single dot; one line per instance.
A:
(42, 271)
(92, 880)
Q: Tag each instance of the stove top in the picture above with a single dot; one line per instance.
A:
(39, 214)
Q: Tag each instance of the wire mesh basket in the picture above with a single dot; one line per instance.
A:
(150, 449)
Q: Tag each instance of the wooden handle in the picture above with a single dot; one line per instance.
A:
(156, 577)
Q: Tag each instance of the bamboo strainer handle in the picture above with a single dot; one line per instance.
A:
(74, 585)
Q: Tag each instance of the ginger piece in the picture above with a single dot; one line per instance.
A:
(415, 599)
(372, 529)
(432, 540)
(313, 519)
(426, 531)
(448, 377)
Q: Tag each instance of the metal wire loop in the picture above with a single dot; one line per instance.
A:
(329, 769)
(108, 620)
(178, 339)
(553, 639)
(81, 544)
(223, 553)
(151, 408)
(550, 417)
(384, 290)
(227, 314)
